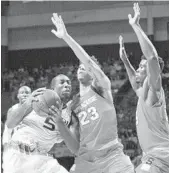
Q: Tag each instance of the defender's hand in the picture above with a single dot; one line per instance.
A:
(60, 26)
(135, 20)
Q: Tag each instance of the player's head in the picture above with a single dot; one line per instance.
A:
(83, 75)
(23, 93)
(61, 84)
(141, 72)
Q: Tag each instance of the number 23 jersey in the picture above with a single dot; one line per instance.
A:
(38, 131)
(98, 123)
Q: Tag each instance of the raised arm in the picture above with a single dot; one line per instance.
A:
(16, 115)
(130, 69)
(101, 79)
(70, 135)
(148, 50)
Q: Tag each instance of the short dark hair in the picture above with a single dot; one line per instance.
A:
(53, 82)
(160, 60)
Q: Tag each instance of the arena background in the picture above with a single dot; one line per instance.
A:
(32, 55)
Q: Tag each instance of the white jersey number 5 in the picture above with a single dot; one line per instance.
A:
(49, 124)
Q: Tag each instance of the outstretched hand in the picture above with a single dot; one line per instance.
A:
(60, 26)
(135, 20)
(122, 52)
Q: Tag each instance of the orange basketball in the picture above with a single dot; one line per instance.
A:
(46, 100)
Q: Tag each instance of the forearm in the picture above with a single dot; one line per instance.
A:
(15, 117)
(69, 139)
(131, 72)
(147, 47)
(77, 49)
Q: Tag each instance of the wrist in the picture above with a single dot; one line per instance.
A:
(135, 25)
(58, 119)
(66, 37)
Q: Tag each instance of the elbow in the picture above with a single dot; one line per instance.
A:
(151, 55)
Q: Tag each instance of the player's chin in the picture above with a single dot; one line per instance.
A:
(66, 94)
(23, 100)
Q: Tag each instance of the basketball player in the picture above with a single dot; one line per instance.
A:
(29, 146)
(96, 141)
(151, 117)
(23, 93)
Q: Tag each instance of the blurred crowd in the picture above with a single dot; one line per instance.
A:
(41, 77)
(125, 106)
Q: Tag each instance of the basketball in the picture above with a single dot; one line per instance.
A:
(46, 100)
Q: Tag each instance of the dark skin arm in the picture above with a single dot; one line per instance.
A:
(70, 135)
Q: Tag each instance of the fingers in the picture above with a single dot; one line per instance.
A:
(41, 89)
(37, 92)
(54, 110)
(35, 99)
(53, 20)
(54, 32)
(136, 8)
(129, 16)
(56, 19)
(61, 20)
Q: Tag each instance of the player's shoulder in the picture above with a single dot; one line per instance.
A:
(13, 108)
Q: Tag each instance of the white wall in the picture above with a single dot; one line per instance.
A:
(160, 28)
(4, 31)
(94, 26)
(85, 34)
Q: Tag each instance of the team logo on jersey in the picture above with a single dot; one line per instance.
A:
(85, 104)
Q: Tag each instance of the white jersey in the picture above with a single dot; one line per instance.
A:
(38, 131)
(7, 134)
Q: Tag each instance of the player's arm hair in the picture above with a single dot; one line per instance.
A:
(94, 69)
(130, 71)
(70, 135)
(16, 115)
(150, 53)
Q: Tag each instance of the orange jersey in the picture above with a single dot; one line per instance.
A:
(98, 125)
(152, 125)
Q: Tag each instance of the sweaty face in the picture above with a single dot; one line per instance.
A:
(141, 72)
(82, 74)
(23, 93)
(63, 86)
